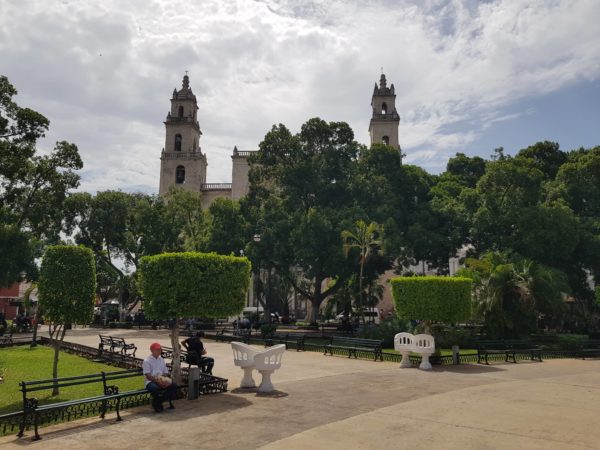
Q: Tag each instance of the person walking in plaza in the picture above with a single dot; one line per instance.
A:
(156, 379)
(196, 352)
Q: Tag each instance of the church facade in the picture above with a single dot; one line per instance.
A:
(183, 164)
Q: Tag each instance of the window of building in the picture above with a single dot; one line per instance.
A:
(383, 108)
(181, 111)
(177, 142)
(386, 140)
(179, 175)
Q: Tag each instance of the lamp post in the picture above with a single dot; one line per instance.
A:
(256, 238)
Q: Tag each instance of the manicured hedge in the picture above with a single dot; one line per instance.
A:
(193, 284)
(67, 284)
(442, 299)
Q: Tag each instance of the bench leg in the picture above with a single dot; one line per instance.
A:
(425, 364)
(266, 385)
(247, 380)
(405, 362)
(119, 418)
(37, 436)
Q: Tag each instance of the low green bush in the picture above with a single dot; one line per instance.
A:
(571, 341)
(447, 336)
(386, 330)
(120, 325)
(267, 330)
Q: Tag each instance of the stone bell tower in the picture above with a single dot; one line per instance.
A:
(181, 162)
(385, 119)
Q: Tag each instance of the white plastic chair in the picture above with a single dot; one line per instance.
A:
(243, 356)
(424, 344)
(404, 343)
(266, 363)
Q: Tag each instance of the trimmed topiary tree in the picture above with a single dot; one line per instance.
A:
(176, 285)
(67, 290)
(441, 299)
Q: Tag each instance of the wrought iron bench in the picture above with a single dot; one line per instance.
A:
(7, 338)
(119, 343)
(589, 348)
(508, 348)
(220, 335)
(105, 343)
(355, 345)
(243, 334)
(167, 353)
(109, 399)
(297, 339)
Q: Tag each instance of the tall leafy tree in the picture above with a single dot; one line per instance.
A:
(66, 289)
(300, 191)
(33, 186)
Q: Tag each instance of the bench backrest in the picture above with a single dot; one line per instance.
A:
(506, 344)
(243, 355)
(269, 359)
(404, 342)
(105, 340)
(424, 342)
(356, 342)
(102, 377)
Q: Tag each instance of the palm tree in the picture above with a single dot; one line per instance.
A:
(365, 238)
(511, 291)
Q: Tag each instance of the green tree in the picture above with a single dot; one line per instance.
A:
(67, 288)
(227, 229)
(300, 194)
(177, 285)
(511, 291)
(121, 228)
(33, 187)
(441, 299)
(366, 239)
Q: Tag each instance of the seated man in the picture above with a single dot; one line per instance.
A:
(196, 352)
(156, 378)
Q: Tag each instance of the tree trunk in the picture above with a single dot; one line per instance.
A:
(176, 371)
(56, 337)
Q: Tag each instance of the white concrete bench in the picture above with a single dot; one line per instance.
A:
(424, 344)
(404, 344)
(243, 356)
(266, 362)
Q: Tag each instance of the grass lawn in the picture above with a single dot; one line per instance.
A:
(21, 363)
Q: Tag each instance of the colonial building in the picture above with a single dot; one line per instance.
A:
(183, 164)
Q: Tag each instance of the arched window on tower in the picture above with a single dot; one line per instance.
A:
(177, 142)
(180, 112)
(179, 175)
(383, 108)
(386, 140)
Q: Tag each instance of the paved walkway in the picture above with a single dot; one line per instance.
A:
(335, 403)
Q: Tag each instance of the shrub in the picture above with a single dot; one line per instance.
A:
(443, 299)
(193, 284)
(386, 330)
(447, 336)
(176, 285)
(268, 330)
(571, 341)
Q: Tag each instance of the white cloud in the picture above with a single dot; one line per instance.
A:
(103, 72)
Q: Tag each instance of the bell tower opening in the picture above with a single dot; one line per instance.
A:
(180, 175)
(180, 112)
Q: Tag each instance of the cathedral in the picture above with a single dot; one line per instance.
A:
(183, 164)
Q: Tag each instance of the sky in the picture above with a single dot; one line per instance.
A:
(470, 76)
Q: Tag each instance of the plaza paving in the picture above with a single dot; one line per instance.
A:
(336, 403)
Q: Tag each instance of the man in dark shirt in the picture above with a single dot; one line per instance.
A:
(196, 352)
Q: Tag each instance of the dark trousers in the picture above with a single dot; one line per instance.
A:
(158, 394)
(205, 363)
